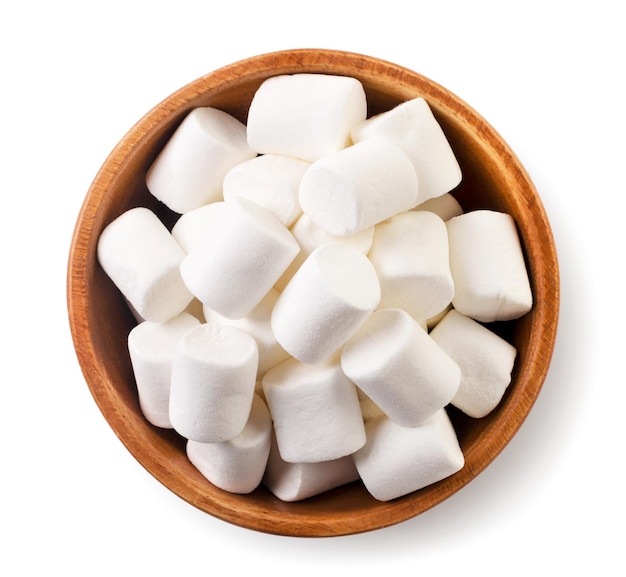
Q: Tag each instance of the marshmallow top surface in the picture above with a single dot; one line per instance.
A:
(190, 168)
(219, 345)
(157, 341)
(358, 187)
(142, 258)
(190, 227)
(413, 127)
(269, 180)
(235, 263)
(348, 274)
(306, 116)
(488, 267)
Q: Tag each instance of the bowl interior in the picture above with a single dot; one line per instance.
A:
(100, 320)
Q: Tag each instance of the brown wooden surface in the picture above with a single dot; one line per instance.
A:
(492, 178)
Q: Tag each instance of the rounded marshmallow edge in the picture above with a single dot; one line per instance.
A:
(304, 115)
(236, 262)
(488, 267)
(213, 383)
(143, 260)
(324, 304)
(237, 465)
(189, 170)
(358, 187)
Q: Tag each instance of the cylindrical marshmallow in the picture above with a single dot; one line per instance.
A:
(142, 258)
(310, 236)
(396, 461)
(358, 187)
(305, 115)
(400, 367)
(191, 226)
(257, 324)
(412, 127)
(189, 170)
(297, 481)
(237, 261)
(151, 347)
(490, 277)
(444, 206)
(326, 301)
(237, 465)
(315, 410)
(213, 381)
(411, 257)
(486, 361)
(271, 180)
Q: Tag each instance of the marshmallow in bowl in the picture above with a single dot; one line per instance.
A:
(333, 292)
(213, 382)
(306, 116)
(411, 256)
(190, 226)
(330, 296)
(151, 347)
(486, 361)
(413, 127)
(269, 180)
(488, 268)
(398, 460)
(257, 324)
(189, 170)
(297, 481)
(315, 410)
(400, 367)
(142, 258)
(358, 187)
(444, 206)
(236, 262)
(310, 236)
(237, 465)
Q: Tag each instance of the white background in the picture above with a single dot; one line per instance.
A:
(549, 76)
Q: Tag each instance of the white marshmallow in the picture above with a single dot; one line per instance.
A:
(270, 180)
(297, 481)
(358, 187)
(305, 115)
(213, 380)
(486, 361)
(238, 260)
(444, 206)
(310, 236)
(151, 347)
(315, 410)
(257, 324)
(396, 461)
(237, 465)
(189, 170)
(488, 268)
(412, 127)
(400, 367)
(190, 227)
(142, 258)
(326, 301)
(411, 257)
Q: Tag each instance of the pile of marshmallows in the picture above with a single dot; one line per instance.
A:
(322, 297)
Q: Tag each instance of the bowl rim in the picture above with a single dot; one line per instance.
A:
(228, 507)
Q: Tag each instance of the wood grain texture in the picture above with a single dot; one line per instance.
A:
(493, 178)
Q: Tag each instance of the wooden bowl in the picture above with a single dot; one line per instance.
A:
(100, 320)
